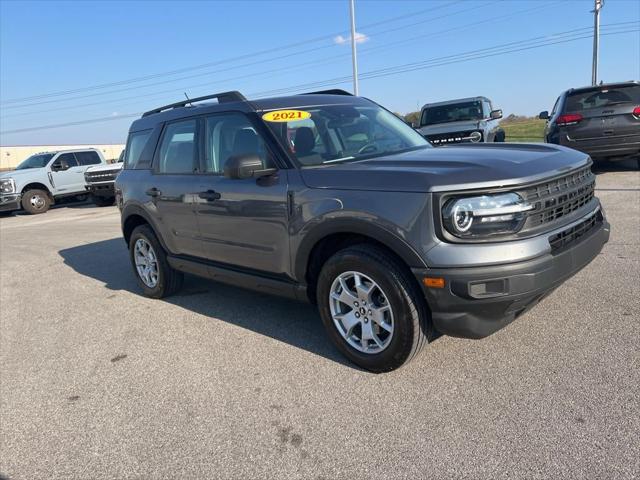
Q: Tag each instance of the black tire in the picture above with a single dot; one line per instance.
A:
(500, 136)
(412, 321)
(169, 280)
(36, 201)
(82, 197)
(103, 201)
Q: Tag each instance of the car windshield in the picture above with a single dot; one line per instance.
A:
(602, 97)
(325, 134)
(35, 161)
(455, 112)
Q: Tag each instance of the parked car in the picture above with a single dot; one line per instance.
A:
(100, 182)
(42, 179)
(602, 121)
(330, 198)
(458, 121)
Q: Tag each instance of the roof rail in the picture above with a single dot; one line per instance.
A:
(334, 91)
(223, 97)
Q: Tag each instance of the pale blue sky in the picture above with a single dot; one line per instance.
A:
(51, 47)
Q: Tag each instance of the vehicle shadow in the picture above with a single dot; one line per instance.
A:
(294, 323)
(603, 166)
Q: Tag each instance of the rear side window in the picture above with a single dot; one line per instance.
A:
(68, 158)
(602, 97)
(135, 146)
(88, 158)
(178, 148)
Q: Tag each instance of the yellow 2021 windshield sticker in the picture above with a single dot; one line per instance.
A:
(285, 115)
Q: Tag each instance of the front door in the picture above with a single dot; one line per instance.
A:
(173, 186)
(67, 175)
(242, 222)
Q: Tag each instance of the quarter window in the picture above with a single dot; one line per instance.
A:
(178, 148)
(135, 146)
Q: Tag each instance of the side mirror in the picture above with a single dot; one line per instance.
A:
(240, 167)
(495, 114)
(544, 115)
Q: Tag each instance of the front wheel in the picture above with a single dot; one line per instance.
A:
(372, 309)
(36, 201)
(149, 260)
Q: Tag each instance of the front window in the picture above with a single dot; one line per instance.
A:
(326, 134)
(455, 112)
(35, 161)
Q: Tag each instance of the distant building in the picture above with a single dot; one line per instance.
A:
(12, 155)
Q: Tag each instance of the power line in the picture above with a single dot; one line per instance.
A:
(227, 60)
(369, 75)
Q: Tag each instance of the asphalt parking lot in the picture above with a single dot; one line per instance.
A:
(97, 381)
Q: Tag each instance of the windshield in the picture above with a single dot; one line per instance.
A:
(602, 97)
(455, 112)
(327, 134)
(36, 161)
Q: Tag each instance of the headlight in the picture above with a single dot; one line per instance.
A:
(484, 215)
(7, 185)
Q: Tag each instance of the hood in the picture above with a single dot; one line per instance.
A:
(473, 166)
(19, 173)
(106, 167)
(451, 127)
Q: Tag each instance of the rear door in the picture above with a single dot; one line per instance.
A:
(173, 186)
(242, 222)
(67, 175)
(606, 113)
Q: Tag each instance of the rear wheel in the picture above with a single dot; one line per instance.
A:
(149, 260)
(372, 309)
(36, 201)
(103, 201)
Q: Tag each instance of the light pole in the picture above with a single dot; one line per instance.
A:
(596, 40)
(354, 56)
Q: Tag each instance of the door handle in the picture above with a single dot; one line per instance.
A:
(153, 192)
(209, 195)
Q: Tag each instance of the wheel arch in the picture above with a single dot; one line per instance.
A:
(326, 239)
(134, 216)
(36, 186)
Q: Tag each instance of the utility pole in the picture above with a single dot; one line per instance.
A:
(354, 56)
(596, 40)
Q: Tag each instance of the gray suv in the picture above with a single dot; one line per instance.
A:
(332, 199)
(471, 120)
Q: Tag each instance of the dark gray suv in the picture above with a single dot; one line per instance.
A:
(330, 198)
(602, 121)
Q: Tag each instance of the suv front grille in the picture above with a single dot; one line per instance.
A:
(449, 138)
(103, 176)
(559, 197)
(571, 235)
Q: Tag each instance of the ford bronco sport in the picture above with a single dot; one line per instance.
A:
(331, 198)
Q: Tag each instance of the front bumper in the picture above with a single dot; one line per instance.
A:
(101, 189)
(478, 301)
(10, 202)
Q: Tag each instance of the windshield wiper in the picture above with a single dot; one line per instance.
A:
(338, 159)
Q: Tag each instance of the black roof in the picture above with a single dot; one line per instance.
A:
(235, 101)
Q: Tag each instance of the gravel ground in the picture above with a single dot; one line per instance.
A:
(97, 381)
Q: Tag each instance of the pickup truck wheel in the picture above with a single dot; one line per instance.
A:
(371, 308)
(103, 201)
(35, 201)
(149, 260)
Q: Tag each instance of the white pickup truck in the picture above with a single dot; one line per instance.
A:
(101, 180)
(44, 178)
